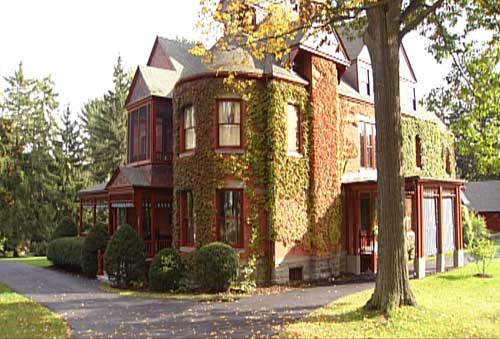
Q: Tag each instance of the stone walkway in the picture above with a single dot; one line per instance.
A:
(93, 313)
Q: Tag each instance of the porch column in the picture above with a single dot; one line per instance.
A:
(138, 209)
(94, 211)
(458, 254)
(419, 262)
(353, 256)
(154, 235)
(440, 257)
(80, 222)
(110, 218)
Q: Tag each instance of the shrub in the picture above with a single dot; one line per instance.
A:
(97, 239)
(166, 271)
(65, 228)
(39, 249)
(483, 252)
(216, 266)
(66, 252)
(124, 260)
(474, 228)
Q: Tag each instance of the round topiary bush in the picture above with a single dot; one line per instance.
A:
(166, 270)
(66, 253)
(65, 228)
(216, 266)
(124, 259)
(97, 239)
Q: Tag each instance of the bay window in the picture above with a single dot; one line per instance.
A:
(138, 134)
(229, 126)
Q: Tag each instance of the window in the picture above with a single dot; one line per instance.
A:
(163, 130)
(418, 152)
(229, 123)
(413, 98)
(367, 145)
(188, 235)
(138, 134)
(364, 211)
(293, 129)
(188, 133)
(365, 86)
(447, 161)
(229, 217)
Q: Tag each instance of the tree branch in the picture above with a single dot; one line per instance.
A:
(411, 25)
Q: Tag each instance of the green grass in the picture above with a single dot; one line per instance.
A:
(451, 305)
(165, 295)
(20, 317)
(33, 261)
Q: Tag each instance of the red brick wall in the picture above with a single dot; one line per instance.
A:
(492, 220)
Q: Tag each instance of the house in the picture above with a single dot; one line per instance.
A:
(280, 163)
(483, 197)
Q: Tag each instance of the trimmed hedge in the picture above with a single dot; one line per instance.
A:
(66, 252)
(216, 266)
(124, 260)
(65, 228)
(39, 249)
(166, 271)
(97, 239)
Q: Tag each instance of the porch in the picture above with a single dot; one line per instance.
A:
(432, 222)
(147, 209)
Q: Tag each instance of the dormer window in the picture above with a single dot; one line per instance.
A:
(365, 86)
(138, 134)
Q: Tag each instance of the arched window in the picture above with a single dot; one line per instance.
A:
(418, 151)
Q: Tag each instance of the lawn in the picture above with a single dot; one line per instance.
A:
(22, 318)
(33, 261)
(451, 305)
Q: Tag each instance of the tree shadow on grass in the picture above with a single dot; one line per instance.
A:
(353, 316)
(454, 277)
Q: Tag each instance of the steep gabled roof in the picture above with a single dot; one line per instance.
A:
(483, 196)
(152, 81)
(329, 46)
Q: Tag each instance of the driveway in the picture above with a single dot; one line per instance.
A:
(93, 313)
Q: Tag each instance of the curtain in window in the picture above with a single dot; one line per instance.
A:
(230, 217)
(189, 128)
(448, 224)
(430, 226)
(229, 123)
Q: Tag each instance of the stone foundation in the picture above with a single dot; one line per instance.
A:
(419, 267)
(440, 262)
(313, 267)
(458, 258)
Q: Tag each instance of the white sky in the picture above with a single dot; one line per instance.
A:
(78, 42)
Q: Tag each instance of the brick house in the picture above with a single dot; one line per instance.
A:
(280, 163)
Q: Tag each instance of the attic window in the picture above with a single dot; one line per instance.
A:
(365, 81)
(413, 98)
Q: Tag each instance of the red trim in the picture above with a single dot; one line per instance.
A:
(218, 218)
(225, 74)
(242, 119)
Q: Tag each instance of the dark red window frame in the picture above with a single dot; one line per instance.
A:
(134, 122)
(184, 219)
(182, 130)
(367, 159)
(220, 218)
(218, 124)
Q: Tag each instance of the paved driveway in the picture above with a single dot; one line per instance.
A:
(93, 313)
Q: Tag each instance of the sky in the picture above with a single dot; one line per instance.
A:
(78, 42)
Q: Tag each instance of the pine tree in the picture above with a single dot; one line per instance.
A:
(105, 126)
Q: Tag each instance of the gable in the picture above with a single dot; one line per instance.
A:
(158, 57)
(327, 45)
(405, 68)
(118, 179)
(138, 89)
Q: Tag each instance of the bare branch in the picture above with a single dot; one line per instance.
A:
(412, 24)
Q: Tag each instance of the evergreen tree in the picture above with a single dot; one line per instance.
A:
(105, 126)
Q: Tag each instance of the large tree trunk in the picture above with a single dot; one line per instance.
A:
(392, 287)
